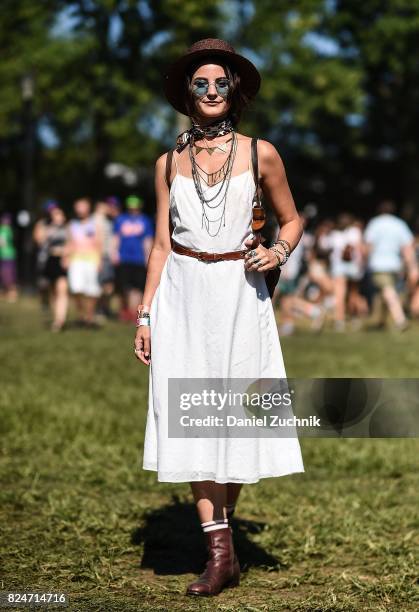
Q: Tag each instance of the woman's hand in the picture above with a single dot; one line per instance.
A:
(142, 344)
(259, 258)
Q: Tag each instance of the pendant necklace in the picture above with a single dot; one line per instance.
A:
(222, 147)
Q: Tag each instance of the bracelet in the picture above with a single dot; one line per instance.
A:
(278, 253)
(143, 322)
(285, 245)
(283, 253)
(279, 262)
(143, 318)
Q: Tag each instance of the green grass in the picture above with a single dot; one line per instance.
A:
(80, 516)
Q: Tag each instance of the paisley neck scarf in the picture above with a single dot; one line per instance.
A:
(221, 127)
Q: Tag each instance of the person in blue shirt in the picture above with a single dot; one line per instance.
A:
(390, 249)
(133, 238)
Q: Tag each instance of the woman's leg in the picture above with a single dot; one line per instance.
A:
(339, 283)
(357, 304)
(210, 499)
(392, 300)
(79, 302)
(222, 568)
(89, 308)
(414, 304)
(60, 302)
(233, 492)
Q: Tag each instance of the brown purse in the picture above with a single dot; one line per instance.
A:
(259, 218)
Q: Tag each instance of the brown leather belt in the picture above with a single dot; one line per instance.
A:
(205, 256)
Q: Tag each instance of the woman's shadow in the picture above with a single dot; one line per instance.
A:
(174, 543)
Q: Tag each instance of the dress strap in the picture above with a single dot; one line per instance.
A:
(249, 165)
(170, 156)
(254, 161)
(169, 166)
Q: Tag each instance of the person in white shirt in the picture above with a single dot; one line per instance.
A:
(290, 288)
(390, 247)
(318, 262)
(347, 269)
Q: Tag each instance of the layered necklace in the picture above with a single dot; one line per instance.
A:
(211, 178)
(216, 204)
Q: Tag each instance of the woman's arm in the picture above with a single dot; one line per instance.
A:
(67, 248)
(147, 246)
(158, 255)
(115, 243)
(409, 257)
(274, 183)
(161, 245)
(39, 233)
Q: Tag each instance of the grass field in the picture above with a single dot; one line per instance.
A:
(80, 516)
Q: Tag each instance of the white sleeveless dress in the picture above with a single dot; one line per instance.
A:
(212, 320)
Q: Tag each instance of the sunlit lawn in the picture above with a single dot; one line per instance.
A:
(80, 516)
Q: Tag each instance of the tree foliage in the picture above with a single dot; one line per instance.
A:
(339, 94)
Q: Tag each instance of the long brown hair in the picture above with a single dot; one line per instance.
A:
(238, 100)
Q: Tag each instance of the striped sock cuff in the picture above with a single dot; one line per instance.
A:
(213, 525)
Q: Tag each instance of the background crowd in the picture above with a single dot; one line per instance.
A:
(352, 272)
(83, 109)
(345, 273)
(98, 254)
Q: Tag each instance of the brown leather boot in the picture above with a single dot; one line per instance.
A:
(235, 559)
(222, 570)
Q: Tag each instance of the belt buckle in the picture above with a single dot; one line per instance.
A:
(210, 257)
(216, 257)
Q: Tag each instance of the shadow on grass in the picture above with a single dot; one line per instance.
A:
(174, 543)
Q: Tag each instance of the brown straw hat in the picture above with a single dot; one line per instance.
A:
(217, 48)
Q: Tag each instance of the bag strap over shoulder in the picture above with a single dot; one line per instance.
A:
(255, 167)
(259, 215)
(169, 166)
(255, 162)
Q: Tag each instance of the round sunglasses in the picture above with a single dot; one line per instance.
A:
(200, 87)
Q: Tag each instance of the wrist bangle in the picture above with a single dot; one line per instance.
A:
(279, 263)
(143, 321)
(285, 245)
(283, 254)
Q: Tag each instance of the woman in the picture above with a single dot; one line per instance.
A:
(53, 236)
(347, 269)
(209, 315)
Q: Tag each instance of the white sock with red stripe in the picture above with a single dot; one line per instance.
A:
(214, 525)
